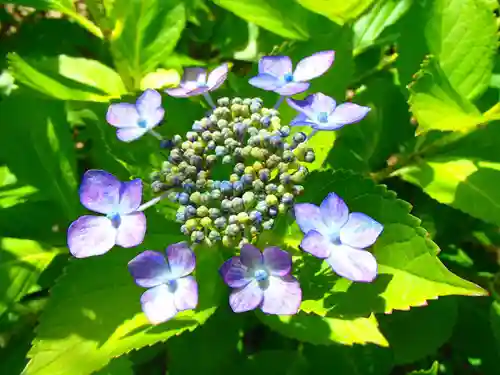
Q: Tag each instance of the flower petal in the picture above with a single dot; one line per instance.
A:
(193, 78)
(122, 115)
(217, 76)
(360, 230)
(303, 106)
(246, 298)
(234, 273)
(91, 235)
(282, 296)
(158, 304)
(302, 120)
(292, 88)
(178, 92)
(132, 230)
(250, 256)
(149, 269)
(313, 66)
(316, 244)
(130, 196)
(353, 264)
(308, 217)
(279, 262)
(186, 293)
(322, 103)
(346, 113)
(265, 82)
(100, 191)
(148, 102)
(334, 212)
(181, 260)
(130, 134)
(276, 66)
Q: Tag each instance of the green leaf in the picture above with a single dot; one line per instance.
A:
(145, 33)
(49, 164)
(429, 328)
(463, 174)
(118, 366)
(282, 17)
(382, 15)
(275, 362)
(68, 78)
(410, 272)
(495, 322)
(325, 330)
(64, 6)
(432, 371)
(21, 263)
(338, 11)
(437, 106)
(94, 312)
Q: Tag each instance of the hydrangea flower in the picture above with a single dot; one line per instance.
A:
(276, 74)
(101, 192)
(262, 280)
(322, 112)
(171, 289)
(134, 120)
(339, 237)
(195, 82)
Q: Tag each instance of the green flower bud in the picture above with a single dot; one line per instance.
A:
(221, 124)
(271, 200)
(217, 136)
(243, 218)
(243, 242)
(234, 177)
(257, 166)
(198, 148)
(309, 156)
(214, 235)
(273, 161)
(271, 188)
(233, 219)
(245, 151)
(210, 160)
(233, 230)
(195, 197)
(268, 224)
(197, 236)
(237, 100)
(248, 199)
(258, 185)
(177, 139)
(216, 194)
(214, 213)
(191, 224)
(220, 222)
(254, 231)
(226, 241)
(206, 222)
(186, 145)
(281, 190)
(226, 205)
(227, 159)
(202, 211)
(237, 204)
(206, 198)
(223, 102)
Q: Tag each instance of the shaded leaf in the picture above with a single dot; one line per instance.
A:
(94, 312)
(337, 10)
(432, 371)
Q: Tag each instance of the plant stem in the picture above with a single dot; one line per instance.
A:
(278, 103)
(152, 202)
(209, 99)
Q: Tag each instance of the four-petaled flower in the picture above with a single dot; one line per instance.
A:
(134, 120)
(339, 237)
(262, 280)
(195, 82)
(322, 113)
(101, 192)
(275, 72)
(171, 289)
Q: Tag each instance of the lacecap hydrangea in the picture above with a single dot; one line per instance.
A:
(267, 168)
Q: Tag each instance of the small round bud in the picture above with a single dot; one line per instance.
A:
(192, 136)
(273, 161)
(271, 188)
(233, 178)
(184, 230)
(202, 211)
(264, 175)
(183, 198)
(265, 121)
(282, 208)
(206, 198)
(186, 145)
(288, 156)
(226, 205)
(237, 100)
(252, 131)
(281, 190)
(226, 241)
(154, 176)
(233, 219)
(273, 211)
(256, 217)
(197, 126)
(245, 151)
(239, 168)
(211, 145)
(255, 107)
(232, 230)
(226, 187)
(285, 131)
(191, 224)
(206, 222)
(220, 222)
(248, 199)
(220, 151)
(238, 187)
(299, 137)
(198, 148)
(297, 189)
(180, 215)
(221, 124)
(261, 207)
(227, 159)
(210, 160)
(243, 242)
(177, 140)
(237, 204)
(173, 197)
(197, 236)
(254, 231)
(309, 156)
(190, 212)
(158, 186)
(214, 236)
(258, 185)
(214, 213)
(247, 179)
(217, 136)
(200, 184)
(268, 224)
(216, 194)
(271, 200)
(223, 102)
(243, 218)
(195, 197)
(206, 136)
(285, 178)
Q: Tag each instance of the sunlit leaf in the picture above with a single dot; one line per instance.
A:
(338, 11)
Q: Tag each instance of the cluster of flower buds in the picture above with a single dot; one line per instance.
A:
(231, 175)
(266, 164)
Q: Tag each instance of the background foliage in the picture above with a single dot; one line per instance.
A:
(429, 69)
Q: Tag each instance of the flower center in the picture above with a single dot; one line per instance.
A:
(288, 77)
(323, 117)
(172, 285)
(335, 238)
(260, 275)
(115, 219)
(142, 123)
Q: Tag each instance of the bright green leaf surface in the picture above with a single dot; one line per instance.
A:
(49, 163)
(464, 174)
(94, 312)
(437, 106)
(432, 371)
(429, 328)
(21, 263)
(383, 14)
(118, 366)
(338, 11)
(68, 78)
(145, 34)
(282, 17)
(325, 330)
